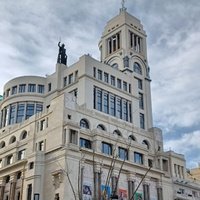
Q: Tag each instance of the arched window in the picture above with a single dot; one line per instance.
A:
(131, 138)
(101, 127)
(117, 132)
(2, 144)
(84, 124)
(23, 135)
(12, 139)
(137, 68)
(146, 143)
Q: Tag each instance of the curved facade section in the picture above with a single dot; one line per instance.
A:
(23, 97)
(24, 85)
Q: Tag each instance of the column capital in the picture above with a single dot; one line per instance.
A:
(159, 184)
(146, 181)
(2, 181)
(131, 176)
(115, 173)
(13, 177)
(97, 167)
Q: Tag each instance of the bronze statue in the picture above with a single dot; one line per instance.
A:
(62, 57)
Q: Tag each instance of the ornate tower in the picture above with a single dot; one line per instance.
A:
(123, 41)
(123, 46)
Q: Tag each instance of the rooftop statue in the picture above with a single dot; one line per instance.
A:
(62, 57)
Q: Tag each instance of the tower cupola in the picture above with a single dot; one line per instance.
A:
(123, 40)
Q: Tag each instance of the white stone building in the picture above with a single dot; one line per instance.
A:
(86, 131)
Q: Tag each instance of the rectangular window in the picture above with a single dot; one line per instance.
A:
(64, 81)
(31, 165)
(20, 112)
(30, 110)
(49, 87)
(142, 122)
(112, 80)
(39, 108)
(42, 125)
(29, 192)
(99, 100)
(112, 105)
(141, 101)
(130, 112)
(9, 159)
(105, 102)
(125, 110)
(106, 79)
(22, 88)
(99, 72)
(70, 78)
(73, 136)
(123, 153)
(165, 165)
(119, 108)
(37, 196)
(113, 43)
(7, 92)
(140, 84)
(31, 88)
(138, 158)
(21, 154)
(109, 41)
(76, 76)
(106, 148)
(125, 88)
(12, 114)
(150, 163)
(14, 90)
(85, 143)
(41, 89)
(119, 83)
(129, 88)
(135, 42)
(94, 72)
(41, 146)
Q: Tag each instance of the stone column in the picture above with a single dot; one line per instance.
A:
(12, 187)
(2, 188)
(97, 182)
(159, 191)
(114, 182)
(131, 185)
(146, 190)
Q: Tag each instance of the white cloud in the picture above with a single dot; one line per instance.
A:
(187, 144)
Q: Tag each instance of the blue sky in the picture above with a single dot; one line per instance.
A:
(30, 31)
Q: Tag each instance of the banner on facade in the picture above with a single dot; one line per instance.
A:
(138, 196)
(87, 191)
(123, 194)
(106, 190)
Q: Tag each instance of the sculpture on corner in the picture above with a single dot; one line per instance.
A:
(62, 56)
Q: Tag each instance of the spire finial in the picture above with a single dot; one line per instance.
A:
(123, 8)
